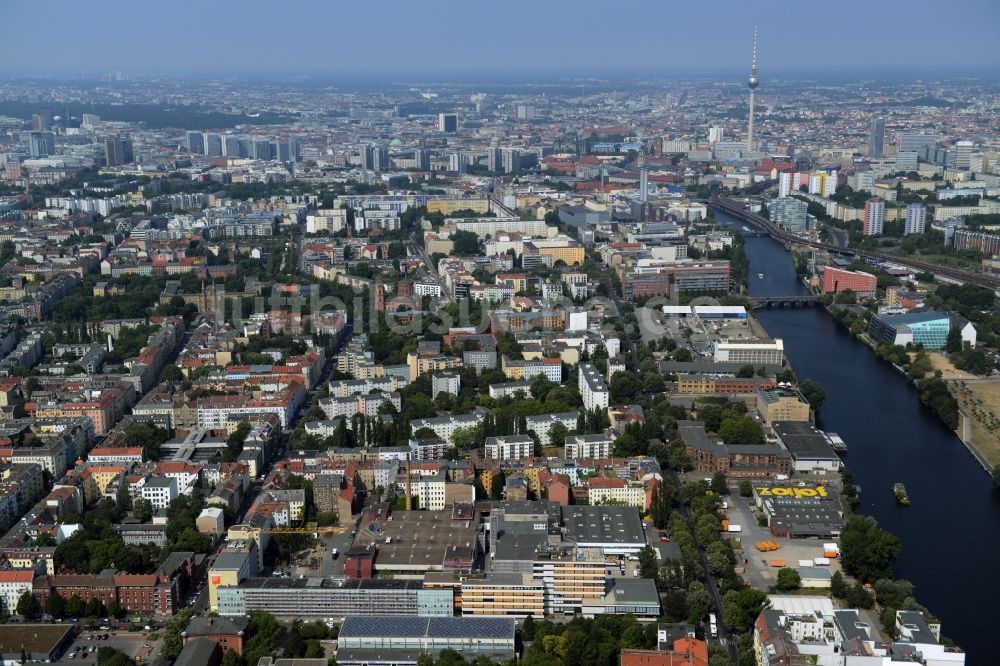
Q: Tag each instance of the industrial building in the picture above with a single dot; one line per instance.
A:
(321, 598)
(801, 510)
(365, 640)
(808, 446)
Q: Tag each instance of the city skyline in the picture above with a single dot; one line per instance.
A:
(427, 38)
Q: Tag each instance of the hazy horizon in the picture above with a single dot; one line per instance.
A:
(438, 38)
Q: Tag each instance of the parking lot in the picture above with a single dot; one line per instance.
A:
(86, 645)
(759, 572)
(334, 566)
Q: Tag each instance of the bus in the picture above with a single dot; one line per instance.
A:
(713, 626)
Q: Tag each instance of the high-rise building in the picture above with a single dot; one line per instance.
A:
(753, 82)
(716, 134)
(375, 158)
(876, 138)
(823, 183)
(118, 151)
(261, 149)
(511, 158)
(295, 151)
(784, 184)
(422, 159)
(963, 154)
(494, 160)
(643, 185)
(41, 144)
(525, 112)
(42, 120)
(914, 142)
(916, 219)
(231, 146)
(90, 121)
(447, 122)
(456, 162)
(874, 222)
(213, 145)
(196, 143)
(790, 213)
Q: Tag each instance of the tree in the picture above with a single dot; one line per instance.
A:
(719, 485)
(75, 607)
(94, 608)
(231, 658)
(625, 388)
(142, 509)
(788, 579)
(699, 601)
(497, 484)
(745, 371)
(746, 488)
(109, 656)
(682, 355)
(528, 629)
(172, 643)
(465, 243)
(55, 605)
(838, 586)
(648, 566)
(954, 342)
(147, 435)
(740, 608)
(867, 552)
(27, 605)
(813, 393)
(557, 434)
(741, 430)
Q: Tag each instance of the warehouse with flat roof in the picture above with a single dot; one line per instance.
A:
(809, 446)
(365, 640)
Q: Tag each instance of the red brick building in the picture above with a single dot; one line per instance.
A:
(837, 280)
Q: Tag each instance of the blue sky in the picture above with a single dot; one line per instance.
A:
(477, 37)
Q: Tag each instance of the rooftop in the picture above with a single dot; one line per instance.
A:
(365, 626)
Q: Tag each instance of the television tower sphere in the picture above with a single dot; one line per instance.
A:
(754, 81)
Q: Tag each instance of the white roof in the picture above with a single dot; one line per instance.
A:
(800, 605)
(718, 309)
(676, 309)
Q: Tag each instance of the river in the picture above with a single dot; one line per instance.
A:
(951, 534)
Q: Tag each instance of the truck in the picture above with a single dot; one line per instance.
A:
(822, 561)
(734, 528)
(713, 625)
(805, 563)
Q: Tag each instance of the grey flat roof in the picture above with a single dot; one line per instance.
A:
(230, 560)
(313, 583)
(603, 524)
(803, 440)
(709, 368)
(633, 590)
(363, 626)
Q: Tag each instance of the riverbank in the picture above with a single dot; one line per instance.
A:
(893, 438)
(970, 416)
(880, 594)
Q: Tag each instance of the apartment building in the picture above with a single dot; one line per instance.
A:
(593, 389)
(511, 447)
(542, 423)
(588, 447)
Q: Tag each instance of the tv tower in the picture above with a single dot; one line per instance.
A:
(752, 83)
